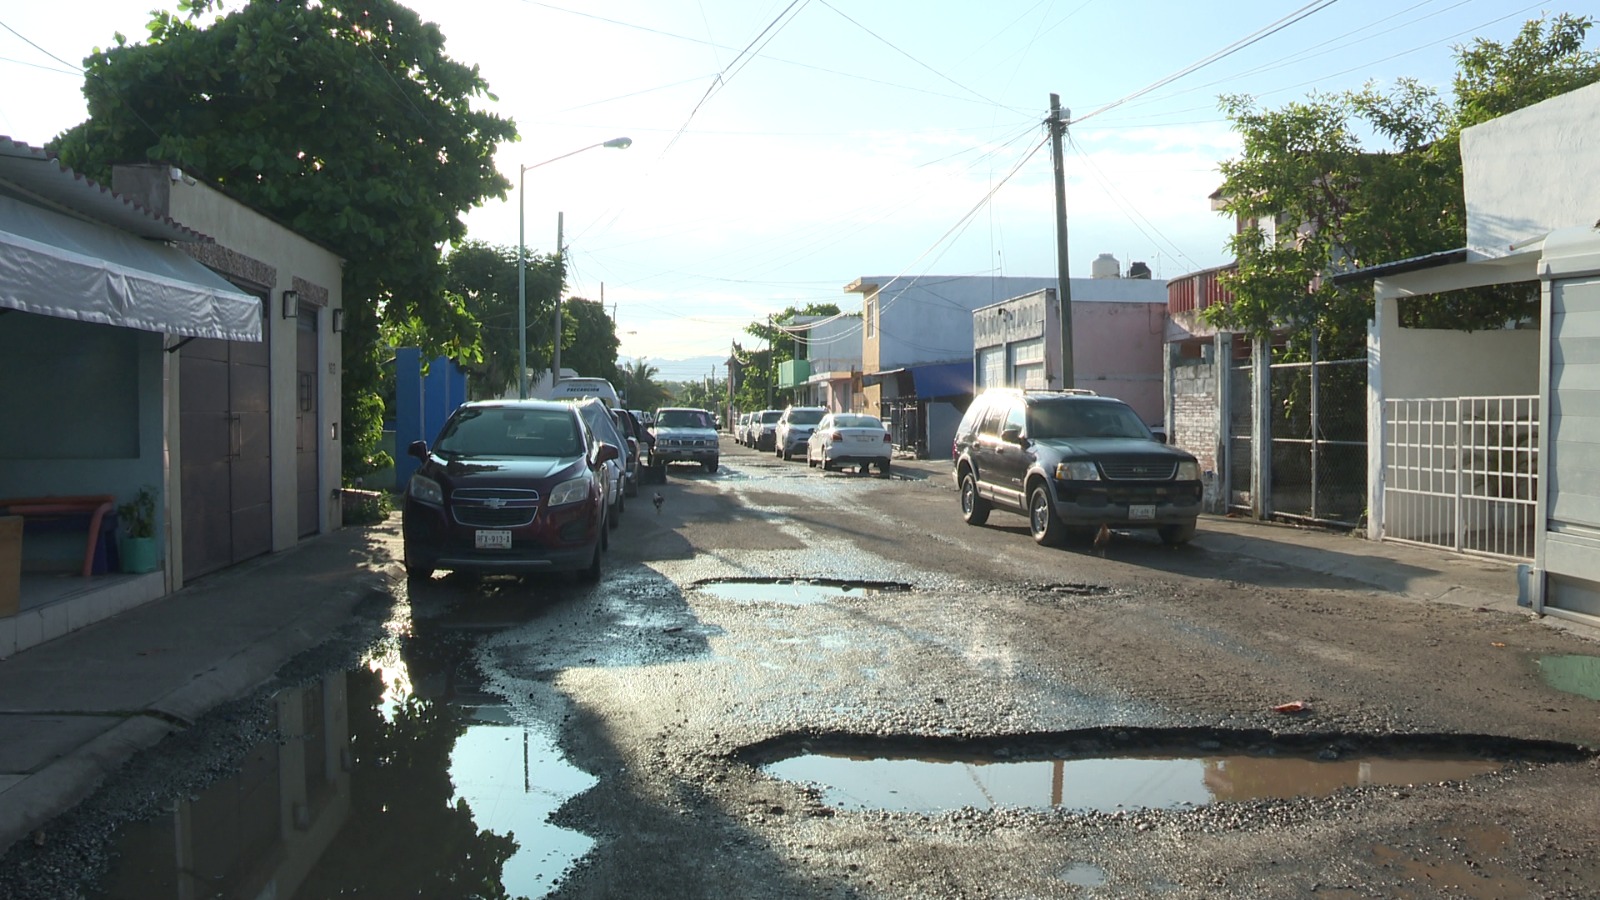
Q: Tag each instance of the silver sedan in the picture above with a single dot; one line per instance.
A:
(850, 439)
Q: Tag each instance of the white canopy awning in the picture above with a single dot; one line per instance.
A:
(57, 265)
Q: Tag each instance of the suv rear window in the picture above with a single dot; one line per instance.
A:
(806, 416)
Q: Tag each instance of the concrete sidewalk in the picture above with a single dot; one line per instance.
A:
(76, 708)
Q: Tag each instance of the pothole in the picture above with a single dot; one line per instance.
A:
(794, 592)
(1573, 674)
(1145, 772)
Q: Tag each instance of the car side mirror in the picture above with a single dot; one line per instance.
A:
(1014, 436)
(1161, 437)
(605, 453)
(419, 449)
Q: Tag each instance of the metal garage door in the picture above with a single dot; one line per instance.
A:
(224, 427)
(1570, 550)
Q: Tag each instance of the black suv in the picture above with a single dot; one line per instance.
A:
(1071, 461)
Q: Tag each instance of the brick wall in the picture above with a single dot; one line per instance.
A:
(1194, 419)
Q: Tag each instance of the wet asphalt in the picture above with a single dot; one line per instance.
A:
(792, 683)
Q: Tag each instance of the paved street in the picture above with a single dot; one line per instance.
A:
(793, 683)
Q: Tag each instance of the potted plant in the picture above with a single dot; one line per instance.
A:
(138, 544)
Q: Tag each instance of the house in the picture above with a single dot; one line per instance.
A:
(171, 339)
(917, 348)
(1489, 442)
(826, 370)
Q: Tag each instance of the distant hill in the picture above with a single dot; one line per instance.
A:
(695, 367)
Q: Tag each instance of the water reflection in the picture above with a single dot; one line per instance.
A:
(1106, 784)
(367, 793)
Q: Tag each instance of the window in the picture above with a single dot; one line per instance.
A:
(871, 318)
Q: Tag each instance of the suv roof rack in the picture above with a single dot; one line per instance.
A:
(1080, 392)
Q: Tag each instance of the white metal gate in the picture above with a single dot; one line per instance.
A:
(1462, 473)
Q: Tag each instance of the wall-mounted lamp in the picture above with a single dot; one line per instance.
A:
(338, 321)
(291, 304)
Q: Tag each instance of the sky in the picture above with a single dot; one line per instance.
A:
(783, 148)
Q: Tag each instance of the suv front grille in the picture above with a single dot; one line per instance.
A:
(494, 507)
(1139, 470)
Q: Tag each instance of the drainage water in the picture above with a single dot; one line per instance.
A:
(1574, 674)
(793, 593)
(1104, 784)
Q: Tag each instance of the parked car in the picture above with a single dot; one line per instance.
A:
(684, 434)
(843, 439)
(632, 432)
(740, 424)
(1074, 462)
(794, 429)
(764, 428)
(598, 417)
(508, 487)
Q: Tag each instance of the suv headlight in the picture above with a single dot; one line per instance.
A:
(1083, 470)
(569, 492)
(1188, 470)
(426, 490)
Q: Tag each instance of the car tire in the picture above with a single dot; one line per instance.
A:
(827, 466)
(1174, 535)
(590, 574)
(883, 469)
(974, 509)
(1048, 530)
(614, 518)
(711, 467)
(810, 463)
(787, 455)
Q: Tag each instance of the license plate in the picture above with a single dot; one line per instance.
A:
(492, 540)
(1142, 511)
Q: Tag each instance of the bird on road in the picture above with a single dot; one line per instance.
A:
(1102, 539)
(658, 500)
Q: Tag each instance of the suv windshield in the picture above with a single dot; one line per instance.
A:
(510, 432)
(806, 416)
(1075, 419)
(684, 418)
(770, 416)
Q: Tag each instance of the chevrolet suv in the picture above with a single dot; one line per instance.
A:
(1071, 462)
(508, 487)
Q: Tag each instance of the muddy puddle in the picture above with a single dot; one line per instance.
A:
(794, 592)
(367, 789)
(1573, 674)
(1103, 784)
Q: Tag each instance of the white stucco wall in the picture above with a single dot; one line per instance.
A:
(834, 345)
(1532, 171)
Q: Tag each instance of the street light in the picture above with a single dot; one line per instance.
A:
(620, 143)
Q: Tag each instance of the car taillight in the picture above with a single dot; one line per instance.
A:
(886, 437)
(837, 437)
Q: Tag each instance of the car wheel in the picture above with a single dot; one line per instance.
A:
(1173, 535)
(614, 518)
(591, 573)
(631, 488)
(787, 455)
(974, 509)
(883, 469)
(810, 462)
(415, 571)
(711, 467)
(605, 533)
(1048, 530)
(827, 466)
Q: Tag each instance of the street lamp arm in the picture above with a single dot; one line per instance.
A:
(621, 143)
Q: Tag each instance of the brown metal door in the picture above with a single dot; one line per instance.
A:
(307, 390)
(224, 428)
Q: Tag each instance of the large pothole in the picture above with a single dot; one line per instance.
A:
(1128, 770)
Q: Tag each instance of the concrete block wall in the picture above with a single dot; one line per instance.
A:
(1195, 418)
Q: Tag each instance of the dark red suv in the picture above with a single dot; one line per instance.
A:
(508, 487)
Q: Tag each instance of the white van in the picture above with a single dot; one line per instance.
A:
(579, 388)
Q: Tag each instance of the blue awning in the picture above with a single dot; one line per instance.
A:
(942, 380)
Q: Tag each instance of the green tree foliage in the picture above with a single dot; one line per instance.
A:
(483, 279)
(343, 119)
(1337, 205)
(589, 344)
(637, 381)
(709, 394)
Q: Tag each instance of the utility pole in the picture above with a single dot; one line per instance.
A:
(1058, 128)
(561, 283)
(772, 363)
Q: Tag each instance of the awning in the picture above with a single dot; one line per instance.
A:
(56, 265)
(937, 381)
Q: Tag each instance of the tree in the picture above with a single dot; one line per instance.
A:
(343, 119)
(1333, 204)
(589, 344)
(483, 279)
(638, 383)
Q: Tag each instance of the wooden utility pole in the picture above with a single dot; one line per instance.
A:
(1058, 129)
